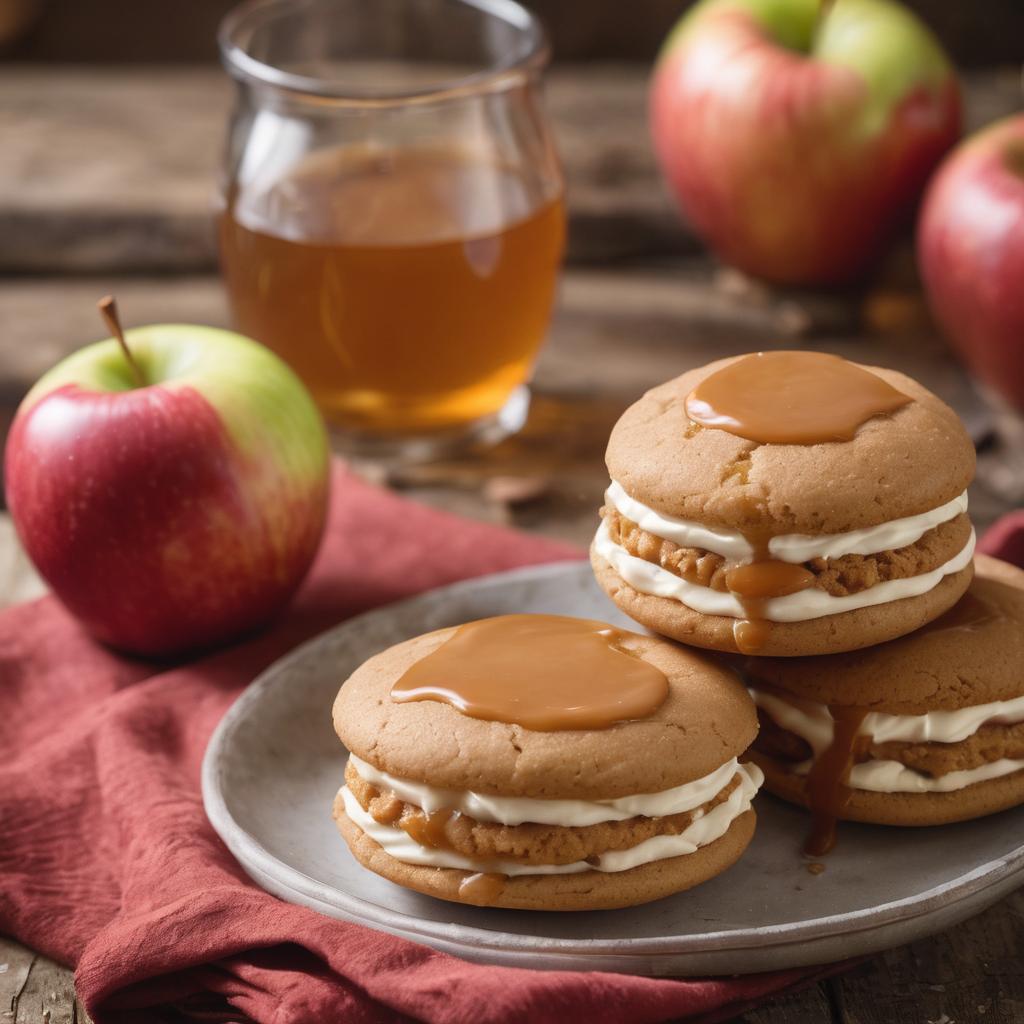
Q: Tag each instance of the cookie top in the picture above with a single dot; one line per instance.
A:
(706, 719)
(906, 462)
(973, 654)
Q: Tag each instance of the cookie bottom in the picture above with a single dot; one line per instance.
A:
(830, 634)
(910, 809)
(587, 890)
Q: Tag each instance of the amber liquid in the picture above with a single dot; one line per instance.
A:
(410, 289)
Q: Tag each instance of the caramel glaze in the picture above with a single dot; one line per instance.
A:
(784, 398)
(483, 888)
(792, 398)
(543, 672)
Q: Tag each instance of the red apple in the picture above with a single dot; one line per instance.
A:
(970, 247)
(798, 134)
(176, 514)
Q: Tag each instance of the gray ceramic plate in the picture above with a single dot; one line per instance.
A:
(274, 765)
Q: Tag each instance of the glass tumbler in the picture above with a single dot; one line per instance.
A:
(391, 219)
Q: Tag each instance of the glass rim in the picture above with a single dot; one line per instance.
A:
(492, 78)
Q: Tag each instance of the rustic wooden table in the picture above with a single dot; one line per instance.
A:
(105, 185)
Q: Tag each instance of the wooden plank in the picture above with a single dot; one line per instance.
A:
(808, 1006)
(15, 965)
(48, 996)
(615, 334)
(35, 990)
(971, 973)
(122, 31)
(114, 168)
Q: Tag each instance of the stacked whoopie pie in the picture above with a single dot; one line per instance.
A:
(810, 514)
(793, 508)
(540, 762)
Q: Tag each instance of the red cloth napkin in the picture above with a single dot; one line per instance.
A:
(107, 860)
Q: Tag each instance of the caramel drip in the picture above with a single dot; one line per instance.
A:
(754, 584)
(428, 829)
(482, 888)
(827, 791)
(543, 672)
(792, 398)
(751, 633)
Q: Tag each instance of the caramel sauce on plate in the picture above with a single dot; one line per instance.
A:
(792, 398)
(543, 672)
(482, 888)
(784, 398)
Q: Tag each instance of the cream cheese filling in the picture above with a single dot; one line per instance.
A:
(515, 810)
(790, 547)
(704, 829)
(814, 724)
(811, 603)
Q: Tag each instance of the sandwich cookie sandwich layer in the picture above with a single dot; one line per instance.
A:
(922, 730)
(541, 762)
(807, 505)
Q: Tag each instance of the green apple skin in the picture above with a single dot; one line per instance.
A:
(796, 135)
(178, 515)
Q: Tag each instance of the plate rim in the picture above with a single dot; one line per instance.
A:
(242, 844)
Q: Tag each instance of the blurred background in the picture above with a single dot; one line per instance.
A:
(123, 31)
(113, 116)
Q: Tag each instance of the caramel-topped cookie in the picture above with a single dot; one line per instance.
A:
(447, 792)
(786, 503)
(922, 730)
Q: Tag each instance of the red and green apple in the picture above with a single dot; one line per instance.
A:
(798, 134)
(971, 254)
(174, 499)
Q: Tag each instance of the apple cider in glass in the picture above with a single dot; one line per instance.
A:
(411, 290)
(392, 221)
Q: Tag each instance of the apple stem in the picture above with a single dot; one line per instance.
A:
(108, 310)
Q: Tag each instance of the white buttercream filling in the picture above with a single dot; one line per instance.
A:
(704, 829)
(893, 777)
(811, 603)
(814, 724)
(790, 547)
(514, 810)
